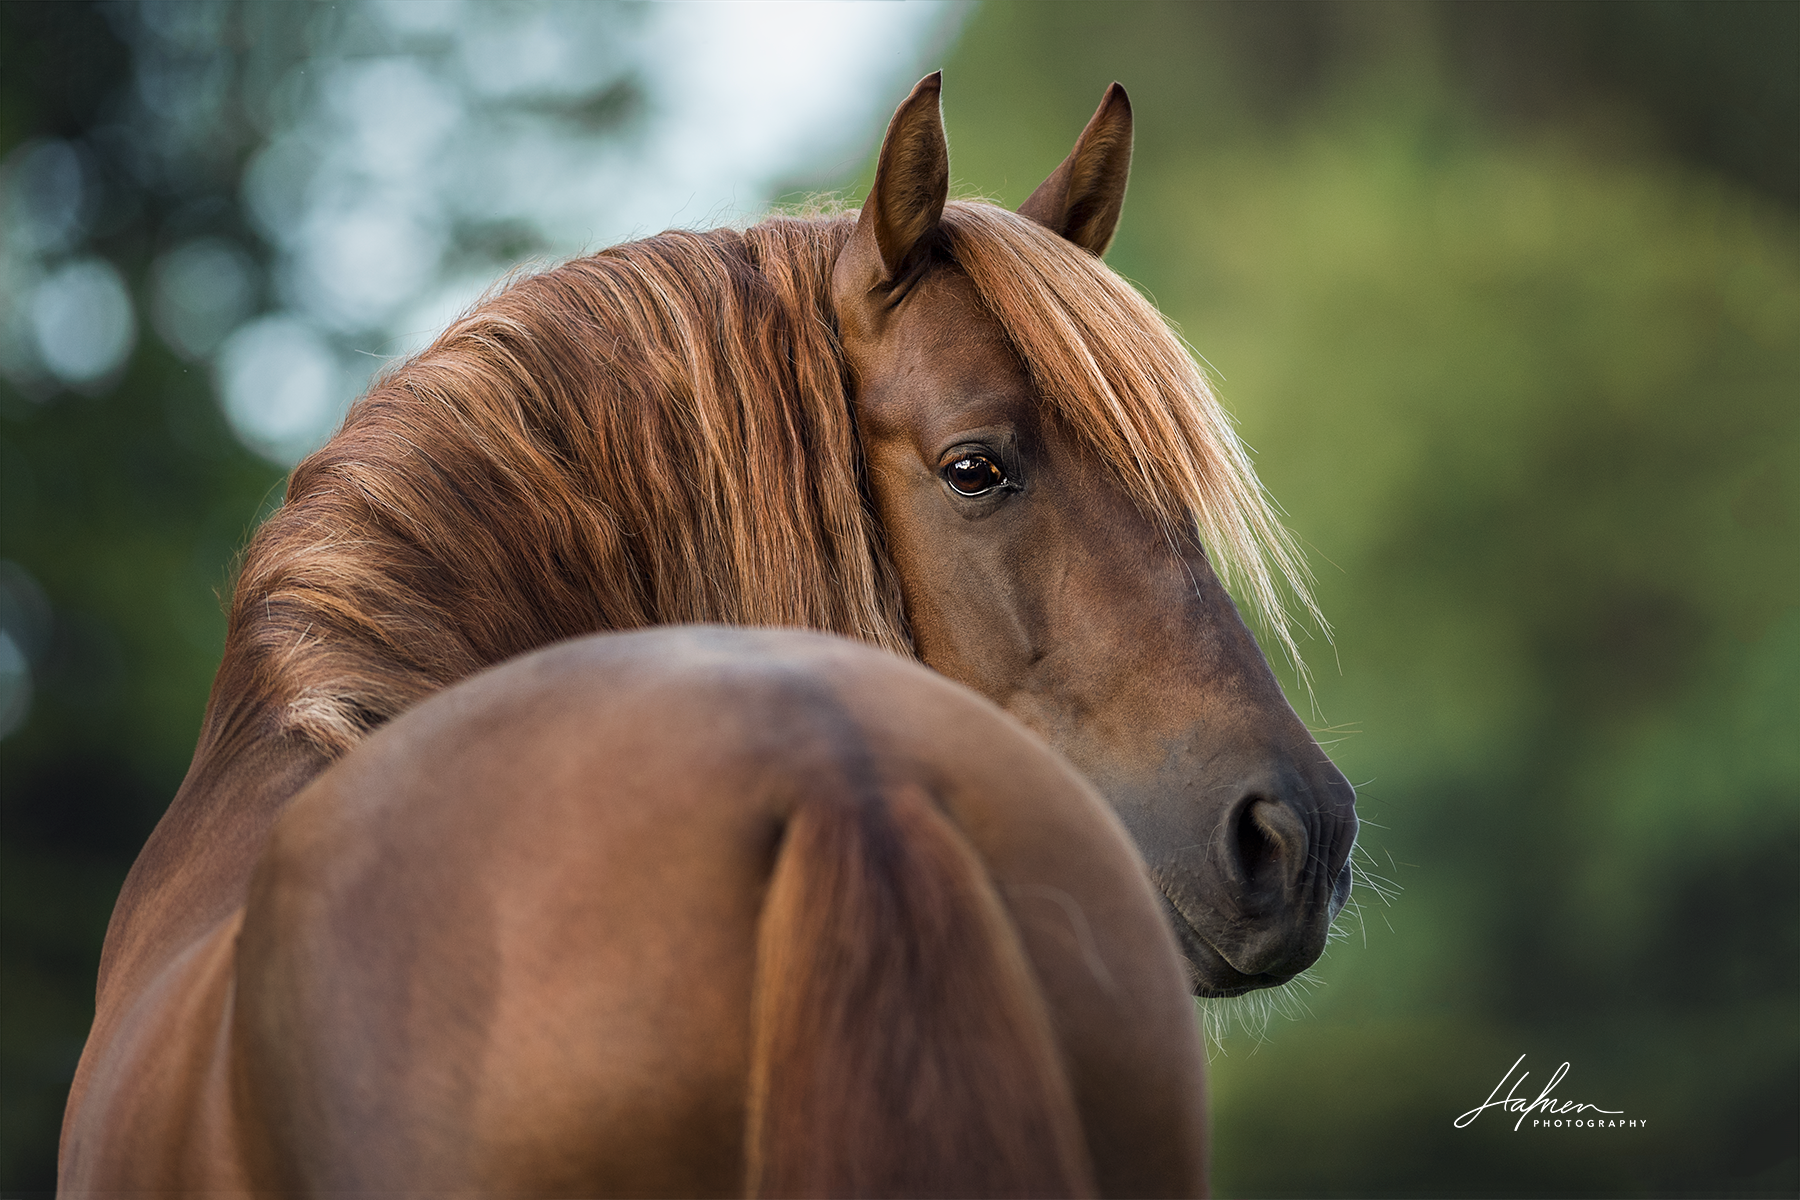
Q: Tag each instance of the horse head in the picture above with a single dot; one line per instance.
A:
(1044, 470)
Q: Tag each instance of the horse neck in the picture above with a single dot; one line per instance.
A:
(412, 550)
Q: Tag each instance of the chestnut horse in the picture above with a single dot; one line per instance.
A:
(938, 427)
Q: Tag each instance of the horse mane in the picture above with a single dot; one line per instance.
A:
(662, 433)
(658, 433)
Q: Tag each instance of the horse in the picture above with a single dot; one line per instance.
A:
(936, 427)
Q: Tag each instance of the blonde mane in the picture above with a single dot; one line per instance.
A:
(662, 433)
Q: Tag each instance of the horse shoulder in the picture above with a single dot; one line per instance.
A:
(158, 1112)
(166, 954)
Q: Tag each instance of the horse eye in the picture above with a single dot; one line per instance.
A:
(974, 474)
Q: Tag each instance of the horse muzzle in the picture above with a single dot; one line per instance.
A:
(1251, 902)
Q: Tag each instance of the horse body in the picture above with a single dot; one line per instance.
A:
(945, 430)
(560, 864)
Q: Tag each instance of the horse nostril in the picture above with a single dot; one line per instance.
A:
(1271, 845)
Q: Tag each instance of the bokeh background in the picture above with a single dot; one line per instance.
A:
(1505, 297)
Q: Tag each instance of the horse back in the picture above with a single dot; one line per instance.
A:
(534, 937)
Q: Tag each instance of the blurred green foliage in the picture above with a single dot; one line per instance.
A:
(1527, 381)
(1507, 298)
(125, 510)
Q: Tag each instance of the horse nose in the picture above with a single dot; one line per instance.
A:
(1285, 847)
(1267, 848)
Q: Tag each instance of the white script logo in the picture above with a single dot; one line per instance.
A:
(1553, 1113)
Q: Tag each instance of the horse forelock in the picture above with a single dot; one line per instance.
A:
(655, 434)
(1111, 368)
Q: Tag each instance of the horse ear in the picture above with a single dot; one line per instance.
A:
(912, 180)
(1082, 198)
